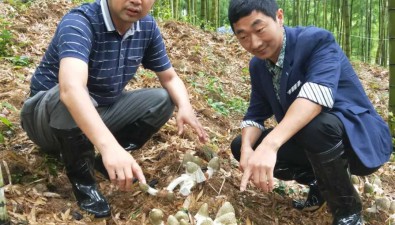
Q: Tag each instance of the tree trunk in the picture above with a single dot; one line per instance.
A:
(391, 29)
(347, 28)
(203, 15)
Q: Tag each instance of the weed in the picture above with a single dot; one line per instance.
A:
(8, 126)
(19, 61)
(5, 39)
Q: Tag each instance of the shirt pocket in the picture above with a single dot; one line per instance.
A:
(357, 110)
(133, 61)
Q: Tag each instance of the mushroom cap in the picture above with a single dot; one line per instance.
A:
(172, 220)
(214, 164)
(143, 187)
(202, 214)
(368, 188)
(184, 222)
(206, 222)
(188, 157)
(192, 167)
(193, 170)
(383, 203)
(156, 217)
(225, 209)
(354, 179)
(226, 219)
(182, 215)
(197, 160)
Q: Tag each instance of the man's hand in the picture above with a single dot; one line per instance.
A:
(176, 88)
(259, 168)
(245, 154)
(122, 168)
(186, 115)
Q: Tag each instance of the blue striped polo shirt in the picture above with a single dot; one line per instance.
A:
(88, 33)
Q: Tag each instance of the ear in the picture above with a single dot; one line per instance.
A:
(280, 17)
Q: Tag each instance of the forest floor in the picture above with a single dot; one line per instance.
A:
(215, 70)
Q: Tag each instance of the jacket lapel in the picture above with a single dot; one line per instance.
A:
(287, 67)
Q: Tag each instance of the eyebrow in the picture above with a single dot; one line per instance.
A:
(255, 23)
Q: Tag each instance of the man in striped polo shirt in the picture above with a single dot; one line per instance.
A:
(327, 126)
(78, 100)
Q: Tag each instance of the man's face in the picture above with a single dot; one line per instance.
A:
(261, 35)
(125, 12)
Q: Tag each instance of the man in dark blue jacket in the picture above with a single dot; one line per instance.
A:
(327, 127)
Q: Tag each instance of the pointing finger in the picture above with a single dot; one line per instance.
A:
(244, 180)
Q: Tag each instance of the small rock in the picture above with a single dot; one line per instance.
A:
(76, 215)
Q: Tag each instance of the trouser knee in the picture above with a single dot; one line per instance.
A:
(162, 110)
(235, 147)
(324, 132)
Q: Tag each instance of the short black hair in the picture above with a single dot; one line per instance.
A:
(241, 8)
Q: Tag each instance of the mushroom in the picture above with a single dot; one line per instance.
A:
(194, 170)
(202, 216)
(179, 180)
(147, 189)
(383, 203)
(182, 215)
(156, 217)
(184, 222)
(225, 208)
(226, 219)
(172, 220)
(212, 167)
(392, 207)
(226, 215)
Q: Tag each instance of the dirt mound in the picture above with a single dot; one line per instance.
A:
(214, 68)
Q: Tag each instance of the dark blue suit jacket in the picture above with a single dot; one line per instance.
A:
(313, 56)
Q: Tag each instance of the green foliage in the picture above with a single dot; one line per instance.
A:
(19, 61)
(216, 96)
(52, 165)
(7, 126)
(5, 38)
(78, 2)
(282, 189)
(19, 5)
(391, 122)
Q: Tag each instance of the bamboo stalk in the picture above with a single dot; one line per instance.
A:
(3, 209)
(391, 29)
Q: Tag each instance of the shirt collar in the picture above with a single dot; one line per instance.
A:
(108, 21)
(280, 60)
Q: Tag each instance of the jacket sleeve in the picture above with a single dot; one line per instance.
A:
(259, 109)
(323, 65)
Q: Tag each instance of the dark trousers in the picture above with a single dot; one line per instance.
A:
(44, 112)
(323, 133)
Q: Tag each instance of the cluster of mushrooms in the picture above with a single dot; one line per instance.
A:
(224, 216)
(193, 175)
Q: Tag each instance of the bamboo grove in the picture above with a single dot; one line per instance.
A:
(360, 27)
(391, 31)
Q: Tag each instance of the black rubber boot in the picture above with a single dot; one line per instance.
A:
(305, 176)
(131, 137)
(333, 177)
(78, 154)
